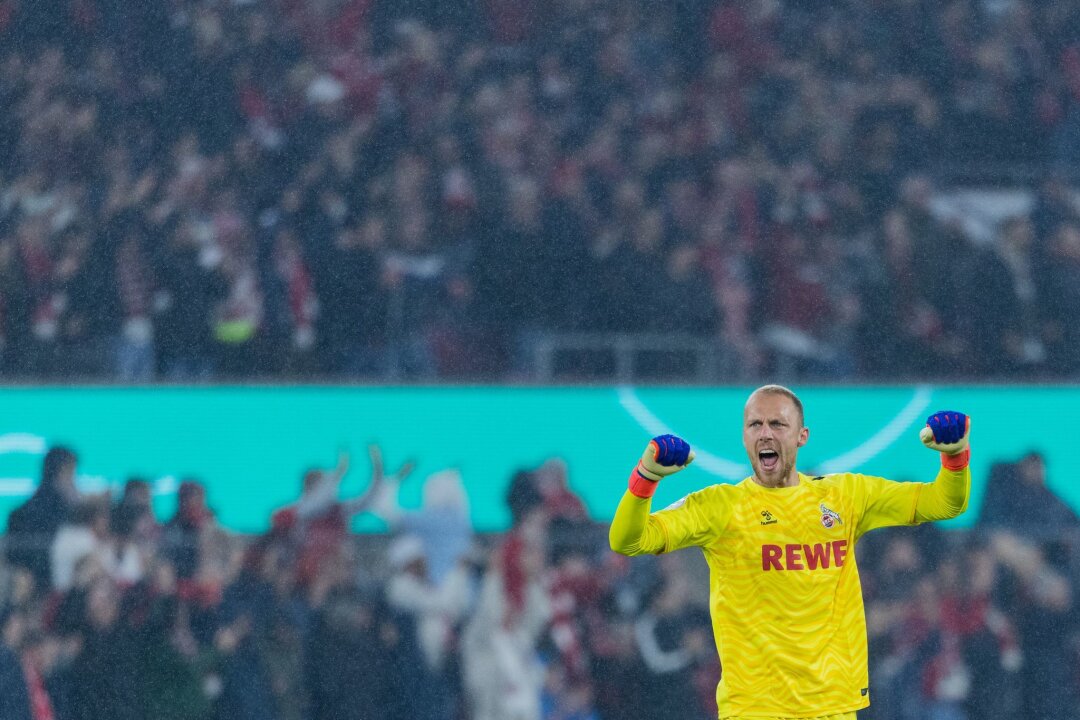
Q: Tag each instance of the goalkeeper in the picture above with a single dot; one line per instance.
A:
(785, 598)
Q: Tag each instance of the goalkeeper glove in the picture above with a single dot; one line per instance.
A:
(664, 455)
(947, 432)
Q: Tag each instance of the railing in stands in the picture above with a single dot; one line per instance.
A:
(624, 357)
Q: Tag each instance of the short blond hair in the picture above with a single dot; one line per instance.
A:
(773, 389)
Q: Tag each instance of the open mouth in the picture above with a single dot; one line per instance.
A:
(770, 459)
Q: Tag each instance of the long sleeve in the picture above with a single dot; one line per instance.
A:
(633, 531)
(946, 497)
(887, 503)
(695, 520)
(385, 504)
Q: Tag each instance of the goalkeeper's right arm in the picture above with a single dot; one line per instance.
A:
(633, 531)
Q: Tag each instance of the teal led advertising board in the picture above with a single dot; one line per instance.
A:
(249, 445)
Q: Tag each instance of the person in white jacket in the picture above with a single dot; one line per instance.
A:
(442, 524)
(503, 675)
(435, 608)
(87, 534)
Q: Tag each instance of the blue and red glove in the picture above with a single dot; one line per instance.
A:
(947, 432)
(664, 455)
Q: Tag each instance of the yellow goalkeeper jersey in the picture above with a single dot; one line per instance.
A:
(785, 597)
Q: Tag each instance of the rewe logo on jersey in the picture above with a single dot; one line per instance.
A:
(819, 556)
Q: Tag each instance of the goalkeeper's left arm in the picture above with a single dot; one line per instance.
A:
(946, 497)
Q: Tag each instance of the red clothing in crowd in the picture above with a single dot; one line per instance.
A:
(319, 539)
(40, 705)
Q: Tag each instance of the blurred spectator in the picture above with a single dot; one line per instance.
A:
(1040, 601)
(552, 479)
(546, 491)
(1018, 500)
(670, 644)
(576, 587)
(544, 496)
(247, 611)
(502, 674)
(1063, 298)
(911, 334)
(523, 498)
(84, 537)
(183, 535)
(318, 523)
(1025, 326)
(192, 284)
(170, 683)
(342, 634)
(442, 524)
(352, 320)
(33, 525)
(292, 310)
(614, 663)
(133, 513)
(978, 654)
(998, 325)
(103, 674)
(434, 611)
(135, 352)
(350, 666)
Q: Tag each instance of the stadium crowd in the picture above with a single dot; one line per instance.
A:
(199, 189)
(108, 614)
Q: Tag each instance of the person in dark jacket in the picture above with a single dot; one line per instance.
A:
(192, 283)
(1019, 500)
(182, 533)
(168, 680)
(103, 677)
(350, 666)
(32, 526)
(247, 611)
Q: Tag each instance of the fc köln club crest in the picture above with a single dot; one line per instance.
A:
(829, 518)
